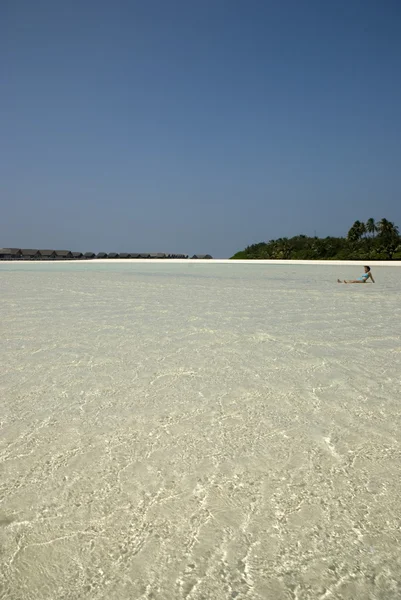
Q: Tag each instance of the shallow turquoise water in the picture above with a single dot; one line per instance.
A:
(199, 431)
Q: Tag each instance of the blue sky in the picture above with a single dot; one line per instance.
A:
(196, 126)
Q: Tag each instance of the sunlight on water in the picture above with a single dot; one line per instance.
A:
(199, 431)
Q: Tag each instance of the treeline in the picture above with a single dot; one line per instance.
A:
(365, 241)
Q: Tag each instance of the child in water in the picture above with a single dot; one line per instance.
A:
(365, 277)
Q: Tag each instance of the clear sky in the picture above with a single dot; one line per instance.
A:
(196, 125)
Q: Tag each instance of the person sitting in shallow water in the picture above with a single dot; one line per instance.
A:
(365, 277)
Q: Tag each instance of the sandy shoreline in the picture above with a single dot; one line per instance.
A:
(218, 261)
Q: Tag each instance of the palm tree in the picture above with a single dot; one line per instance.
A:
(371, 226)
(387, 228)
(356, 231)
(389, 237)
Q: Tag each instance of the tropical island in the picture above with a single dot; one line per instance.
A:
(365, 241)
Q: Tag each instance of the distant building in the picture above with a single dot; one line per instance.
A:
(47, 254)
(10, 253)
(63, 254)
(28, 254)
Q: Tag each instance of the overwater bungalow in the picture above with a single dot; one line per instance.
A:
(47, 254)
(63, 254)
(10, 253)
(28, 254)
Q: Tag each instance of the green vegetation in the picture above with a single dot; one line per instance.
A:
(365, 241)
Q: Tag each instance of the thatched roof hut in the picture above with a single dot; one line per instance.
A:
(10, 253)
(125, 255)
(76, 255)
(62, 254)
(134, 255)
(114, 255)
(47, 254)
(28, 254)
(101, 255)
(89, 255)
(202, 256)
(157, 255)
(144, 255)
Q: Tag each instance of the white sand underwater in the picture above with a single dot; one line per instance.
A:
(199, 431)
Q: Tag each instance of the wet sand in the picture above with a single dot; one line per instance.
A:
(199, 431)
